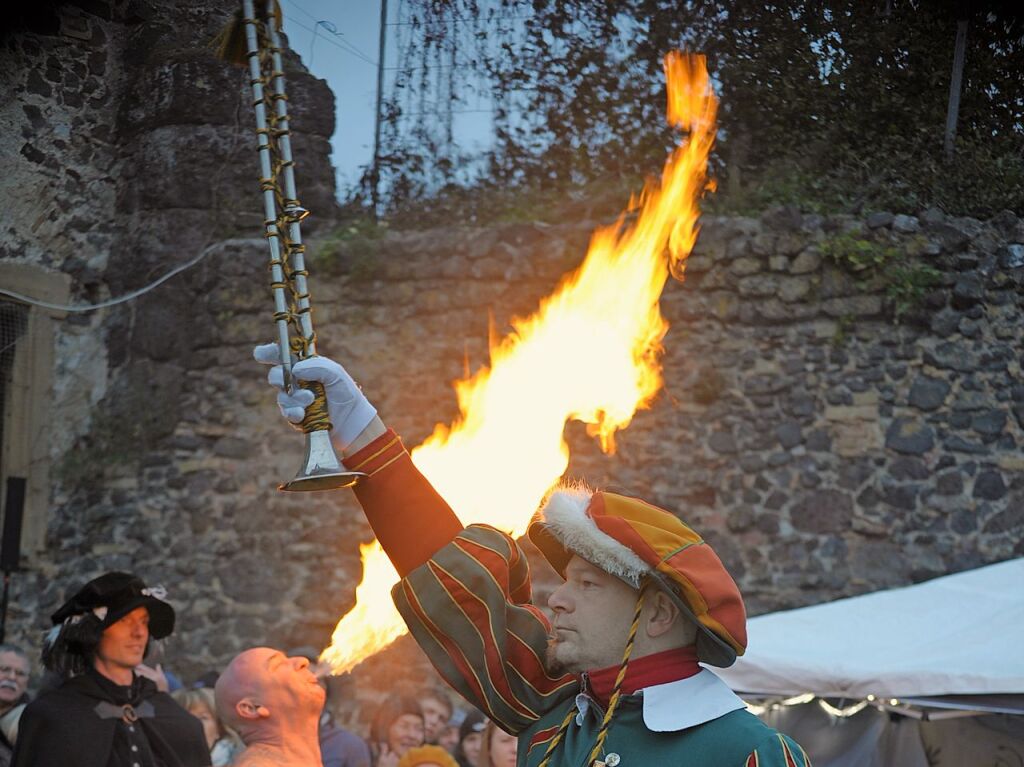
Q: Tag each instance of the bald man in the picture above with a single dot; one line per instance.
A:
(273, 702)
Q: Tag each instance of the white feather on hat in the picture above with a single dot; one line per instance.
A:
(564, 515)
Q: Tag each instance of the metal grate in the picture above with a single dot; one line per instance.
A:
(13, 324)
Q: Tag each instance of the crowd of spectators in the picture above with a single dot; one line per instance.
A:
(106, 646)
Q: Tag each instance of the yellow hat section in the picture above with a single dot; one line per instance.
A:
(673, 548)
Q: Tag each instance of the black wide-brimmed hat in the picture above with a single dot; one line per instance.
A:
(113, 595)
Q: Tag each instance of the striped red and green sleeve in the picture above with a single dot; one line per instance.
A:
(408, 516)
(465, 594)
(469, 609)
(778, 751)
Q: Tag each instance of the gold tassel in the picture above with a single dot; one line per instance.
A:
(613, 702)
(230, 45)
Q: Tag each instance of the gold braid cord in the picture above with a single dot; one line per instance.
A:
(613, 702)
(550, 751)
(289, 211)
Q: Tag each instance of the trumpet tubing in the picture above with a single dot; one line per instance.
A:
(282, 217)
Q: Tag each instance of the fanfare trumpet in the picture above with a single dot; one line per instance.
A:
(321, 469)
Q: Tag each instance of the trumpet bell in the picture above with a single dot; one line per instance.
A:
(321, 469)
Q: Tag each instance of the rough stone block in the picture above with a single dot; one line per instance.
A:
(853, 306)
(856, 438)
(807, 261)
(878, 220)
(722, 442)
(850, 413)
(989, 485)
(906, 224)
(823, 512)
(1009, 521)
(968, 291)
(951, 356)
(957, 444)
(697, 264)
(989, 423)
(1012, 256)
(793, 289)
(758, 285)
(745, 265)
(928, 393)
(868, 398)
(789, 434)
(903, 497)
(911, 436)
(762, 244)
(783, 218)
(709, 246)
(836, 283)
(1013, 464)
(790, 243)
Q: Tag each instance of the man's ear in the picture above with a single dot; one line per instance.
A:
(663, 615)
(247, 708)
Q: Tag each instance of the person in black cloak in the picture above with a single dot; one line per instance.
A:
(103, 714)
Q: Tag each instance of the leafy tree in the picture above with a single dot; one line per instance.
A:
(830, 105)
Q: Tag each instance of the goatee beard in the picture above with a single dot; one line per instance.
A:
(553, 665)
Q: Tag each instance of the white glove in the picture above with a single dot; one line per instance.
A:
(349, 409)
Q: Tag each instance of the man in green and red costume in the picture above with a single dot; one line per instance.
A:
(615, 678)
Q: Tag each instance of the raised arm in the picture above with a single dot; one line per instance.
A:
(465, 594)
(407, 515)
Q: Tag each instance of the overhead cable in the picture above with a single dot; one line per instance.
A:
(127, 296)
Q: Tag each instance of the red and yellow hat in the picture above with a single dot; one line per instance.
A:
(632, 540)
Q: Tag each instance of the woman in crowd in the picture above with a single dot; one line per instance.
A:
(224, 745)
(397, 727)
(498, 748)
(471, 733)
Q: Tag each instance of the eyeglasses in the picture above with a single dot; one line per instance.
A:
(19, 673)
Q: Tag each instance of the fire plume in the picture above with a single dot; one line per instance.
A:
(590, 352)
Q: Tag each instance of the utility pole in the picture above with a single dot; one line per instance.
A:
(955, 85)
(375, 174)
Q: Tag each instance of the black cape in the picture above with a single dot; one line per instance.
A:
(77, 725)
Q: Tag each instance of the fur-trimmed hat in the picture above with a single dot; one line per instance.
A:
(633, 540)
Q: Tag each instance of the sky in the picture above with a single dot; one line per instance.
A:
(338, 41)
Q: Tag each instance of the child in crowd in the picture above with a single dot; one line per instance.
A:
(498, 748)
(397, 727)
(471, 733)
(224, 745)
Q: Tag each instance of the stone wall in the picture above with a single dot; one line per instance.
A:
(825, 449)
(127, 147)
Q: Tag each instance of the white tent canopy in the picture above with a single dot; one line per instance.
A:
(961, 634)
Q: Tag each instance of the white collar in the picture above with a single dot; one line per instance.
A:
(680, 704)
(688, 702)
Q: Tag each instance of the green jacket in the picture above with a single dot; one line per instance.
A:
(734, 738)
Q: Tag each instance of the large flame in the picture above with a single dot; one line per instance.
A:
(590, 352)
